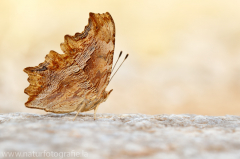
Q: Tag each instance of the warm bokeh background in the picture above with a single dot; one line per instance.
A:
(184, 55)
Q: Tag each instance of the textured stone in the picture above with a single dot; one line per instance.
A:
(122, 135)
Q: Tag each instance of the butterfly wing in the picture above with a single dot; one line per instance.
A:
(63, 81)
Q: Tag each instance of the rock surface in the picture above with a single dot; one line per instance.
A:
(119, 136)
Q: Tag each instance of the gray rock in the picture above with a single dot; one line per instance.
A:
(119, 136)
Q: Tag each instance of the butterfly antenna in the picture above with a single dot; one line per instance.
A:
(117, 60)
(118, 68)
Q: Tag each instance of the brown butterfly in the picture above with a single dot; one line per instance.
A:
(77, 79)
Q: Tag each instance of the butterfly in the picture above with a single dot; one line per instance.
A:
(77, 79)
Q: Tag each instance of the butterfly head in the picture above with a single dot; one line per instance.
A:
(106, 94)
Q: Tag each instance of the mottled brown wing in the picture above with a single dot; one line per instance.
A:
(63, 81)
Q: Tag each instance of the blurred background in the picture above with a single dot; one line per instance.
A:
(184, 55)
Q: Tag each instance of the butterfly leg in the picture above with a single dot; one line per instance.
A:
(95, 111)
(79, 111)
